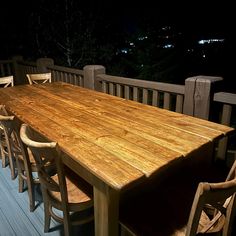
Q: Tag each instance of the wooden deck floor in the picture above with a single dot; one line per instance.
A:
(15, 217)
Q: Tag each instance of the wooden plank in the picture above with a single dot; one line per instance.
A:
(162, 130)
(19, 221)
(37, 218)
(226, 117)
(155, 100)
(135, 94)
(179, 103)
(229, 98)
(127, 92)
(154, 118)
(145, 96)
(166, 101)
(30, 222)
(5, 226)
(111, 142)
(118, 90)
(111, 89)
(126, 121)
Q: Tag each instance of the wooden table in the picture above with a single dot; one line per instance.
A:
(111, 142)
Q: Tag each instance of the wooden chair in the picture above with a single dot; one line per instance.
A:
(62, 190)
(18, 153)
(6, 152)
(7, 81)
(220, 197)
(217, 196)
(3, 144)
(39, 78)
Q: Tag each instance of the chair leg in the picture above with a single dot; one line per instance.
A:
(31, 194)
(20, 183)
(66, 224)
(12, 168)
(47, 214)
(3, 155)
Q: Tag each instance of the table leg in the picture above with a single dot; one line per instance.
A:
(106, 211)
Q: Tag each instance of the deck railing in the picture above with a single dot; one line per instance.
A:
(227, 102)
(167, 96)
(6, 68)
(197, 97)
(68, 75)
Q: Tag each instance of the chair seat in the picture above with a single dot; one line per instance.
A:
(78, 190)
(204, 221)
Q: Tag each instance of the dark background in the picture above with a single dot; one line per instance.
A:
(76, 33)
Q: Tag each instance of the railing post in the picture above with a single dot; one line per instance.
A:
(43, 63)
(198, 95)
(16, 71)
(90, 73)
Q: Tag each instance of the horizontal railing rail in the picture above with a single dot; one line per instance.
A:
(167, 96)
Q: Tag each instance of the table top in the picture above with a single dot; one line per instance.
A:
(117, 140)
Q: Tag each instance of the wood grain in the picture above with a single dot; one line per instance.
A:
(112, 142)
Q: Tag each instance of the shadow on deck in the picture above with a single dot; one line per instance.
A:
(15, 217)
(173, 188)
(165, 204)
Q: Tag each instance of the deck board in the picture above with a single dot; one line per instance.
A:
(15, 217)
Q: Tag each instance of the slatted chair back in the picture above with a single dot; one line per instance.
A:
(3, 147)
(6, 148)
(59, 190)
(7, 81)
(17, 152)
(39, 78)
(221, 196)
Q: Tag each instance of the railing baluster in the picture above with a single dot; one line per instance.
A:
(118, 90)
(111, 89)
(179, 103)
(166, 101)
(226, 117)
(145, 96)
(127, 92)
(135, 94)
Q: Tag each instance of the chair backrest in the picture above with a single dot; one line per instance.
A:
(46, 153)
(221, 196)
(7, 81)
(3, 110)
(10, 140)
(39, 78)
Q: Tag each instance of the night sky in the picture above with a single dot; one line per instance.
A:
(194, 19)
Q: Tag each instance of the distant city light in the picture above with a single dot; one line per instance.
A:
(142, 38)
(166, 28)
(168, 46)
(203, 41)
(132, 44)
(125, 51)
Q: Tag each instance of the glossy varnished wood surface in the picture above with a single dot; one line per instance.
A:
(119, 141)
(111, 142)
